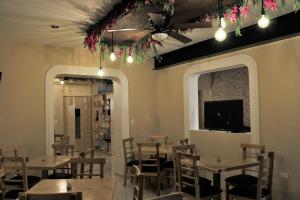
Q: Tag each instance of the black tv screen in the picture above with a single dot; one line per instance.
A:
(224, 115)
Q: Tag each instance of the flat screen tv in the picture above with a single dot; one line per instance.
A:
(224, 115)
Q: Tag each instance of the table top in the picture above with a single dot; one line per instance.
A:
(92, 189)
(47, 162)
(218, 165)
(163, 149)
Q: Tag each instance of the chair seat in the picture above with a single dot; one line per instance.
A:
(133, 162)
(169, 164)
(205, 190)
(60, 176)
(202, 181)
(31, 180)
(12, 194)
(242, 180)
(152, 168)
(248, 192)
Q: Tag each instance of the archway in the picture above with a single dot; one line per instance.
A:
(120, 123)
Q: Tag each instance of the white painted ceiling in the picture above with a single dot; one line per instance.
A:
(28, 21)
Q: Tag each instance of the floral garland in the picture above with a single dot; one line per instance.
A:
(234, 12)
(95, 30)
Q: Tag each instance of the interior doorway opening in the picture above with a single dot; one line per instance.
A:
(119, 109)
(82, 112)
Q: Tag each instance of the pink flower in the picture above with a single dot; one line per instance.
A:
(234, 14)
(271, 5)
(208, 18)
(225, 15)
(245, 11)
(171, 1)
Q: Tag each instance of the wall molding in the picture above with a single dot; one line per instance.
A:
(190, 91)
(120, 109)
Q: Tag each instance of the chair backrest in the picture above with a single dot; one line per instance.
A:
(10, 152)
(63, 149)
(79, 162)
(89, 153)
(128, 149)
(149, 159)
(52, 196)
(14, 166)
(251, 151)
(188, 172)
(159, 138)
(265, 173)
(172, 196)
(184, 141)
(61, 139)
(138, 184)
(184, 149)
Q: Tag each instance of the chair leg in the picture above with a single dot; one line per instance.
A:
(227, 190)
(158, 185)
(125, 175)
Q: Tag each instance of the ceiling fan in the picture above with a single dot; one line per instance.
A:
(160, 27)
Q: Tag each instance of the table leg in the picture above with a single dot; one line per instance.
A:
(44, 174)
(217, 180)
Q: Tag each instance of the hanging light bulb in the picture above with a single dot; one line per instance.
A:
(100, 72)
(223, 23)
(263, 21)
(130, 59)
(220, 34)
(112, 54)
(62, 81)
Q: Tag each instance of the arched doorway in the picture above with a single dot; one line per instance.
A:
(120, 123)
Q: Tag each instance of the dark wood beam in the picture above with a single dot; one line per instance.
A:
(280, 28)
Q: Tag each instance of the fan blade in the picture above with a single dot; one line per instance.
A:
(122, 29)
(192, 25)
(157, 18)
(179, 37)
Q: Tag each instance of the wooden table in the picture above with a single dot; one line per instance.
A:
(163, 149)
(92, 189)
(219, 165)
(46, 163)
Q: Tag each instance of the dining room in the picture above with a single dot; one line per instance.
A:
(149, 100)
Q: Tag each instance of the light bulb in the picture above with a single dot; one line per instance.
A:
(112, 56)
(220, 34)
(223, 23)
(100, 72)
(130, 59)
(263, 21)
(62, 81)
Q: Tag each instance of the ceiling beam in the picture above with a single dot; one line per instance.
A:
(280, 28)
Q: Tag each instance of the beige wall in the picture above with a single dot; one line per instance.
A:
(279, 96)
(22, 91)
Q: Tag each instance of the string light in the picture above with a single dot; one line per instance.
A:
(112, 54)
(263, 21)
(220, 34)
(100, 71)
(130, 58)
(62, 81)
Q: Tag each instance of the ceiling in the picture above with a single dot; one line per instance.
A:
(29, 21)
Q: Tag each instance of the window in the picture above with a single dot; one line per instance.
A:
(77, 124)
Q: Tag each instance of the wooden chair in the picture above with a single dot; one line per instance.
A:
(75, 162)
(56, 196)
(250, 151)
(2, 174)
(173, 196)
(13, 166)
(15, 152)
(61, 139)
(89, 153)
(184, 141)
(159, 138)
(263, 189)
(153, 166)
(60, 150)
(138, 184)
(189, 182)
(129, 157)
